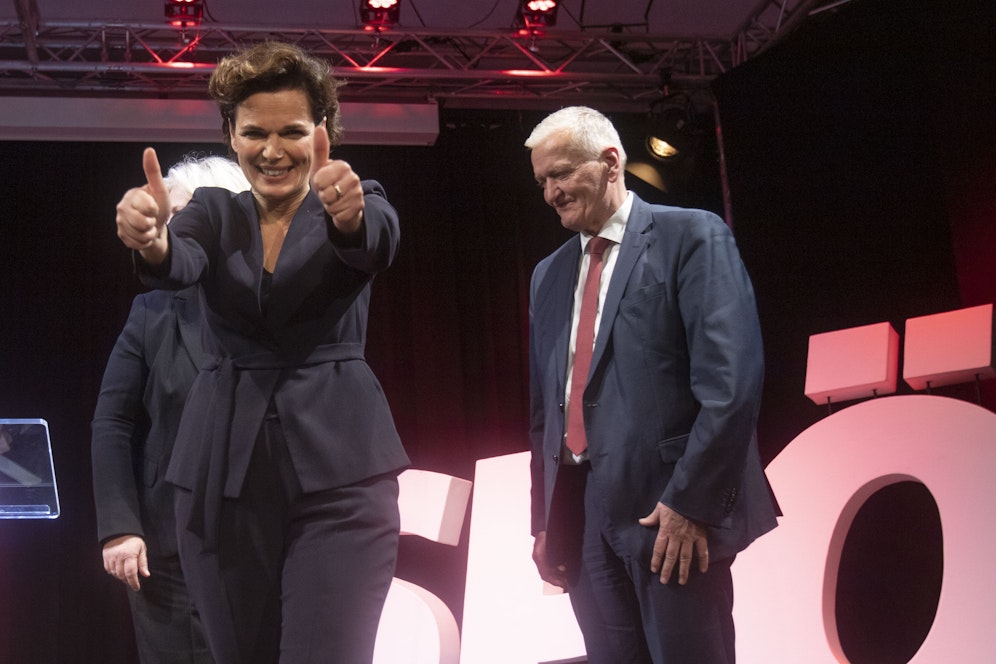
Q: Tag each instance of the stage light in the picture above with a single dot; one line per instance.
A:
(184, 13)
(379, 13)
(538, 13)
(660, 148)
(670, 128)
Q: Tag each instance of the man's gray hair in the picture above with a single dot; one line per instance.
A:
(590, 132)
(210, 171)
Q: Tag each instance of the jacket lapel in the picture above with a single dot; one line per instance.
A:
(188, 316)
(306, 236)
(635, 242)
(561, 303)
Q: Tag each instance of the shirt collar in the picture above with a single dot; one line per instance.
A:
(615, 227)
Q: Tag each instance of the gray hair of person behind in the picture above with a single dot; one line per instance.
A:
(209, 171)
(590, 132)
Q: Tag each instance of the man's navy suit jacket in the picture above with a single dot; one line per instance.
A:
(671, 404)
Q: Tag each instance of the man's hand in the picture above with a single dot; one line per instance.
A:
(678, 540)
(143, 211)
(125, 558)
(337, 186)
(554, 575)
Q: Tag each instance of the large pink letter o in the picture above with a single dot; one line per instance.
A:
(785, 583)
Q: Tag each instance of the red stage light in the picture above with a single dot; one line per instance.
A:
(539, 13)
(184, 13)
(379, 13)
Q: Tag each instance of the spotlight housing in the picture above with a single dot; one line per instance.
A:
(670, 128)
(184, 13)
(538, 14)
(379, 13)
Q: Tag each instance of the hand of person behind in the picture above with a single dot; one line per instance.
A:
(143, 211)
(125, 558)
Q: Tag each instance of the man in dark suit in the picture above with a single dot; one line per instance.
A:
(146, 381)
(646, 479)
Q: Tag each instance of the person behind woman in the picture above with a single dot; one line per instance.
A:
(145, 384)
(287, 457)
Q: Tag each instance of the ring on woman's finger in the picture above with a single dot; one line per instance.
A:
(338, 192)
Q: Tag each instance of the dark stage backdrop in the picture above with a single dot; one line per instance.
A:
(861, 158)
(861, 193)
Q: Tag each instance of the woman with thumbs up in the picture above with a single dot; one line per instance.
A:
(286, 460)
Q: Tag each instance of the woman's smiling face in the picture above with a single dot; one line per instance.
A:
(273, 136)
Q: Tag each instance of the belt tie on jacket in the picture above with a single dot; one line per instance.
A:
(245, 387)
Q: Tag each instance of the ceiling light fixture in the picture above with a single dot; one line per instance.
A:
(671, 128)
(538, 14)
(379, 13)
(184, 14)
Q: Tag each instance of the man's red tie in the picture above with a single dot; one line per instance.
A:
(577, 440)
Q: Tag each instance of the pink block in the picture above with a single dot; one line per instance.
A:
(951, 347)
(855, 363)
(432, 505)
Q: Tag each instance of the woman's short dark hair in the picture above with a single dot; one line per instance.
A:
(271, 67)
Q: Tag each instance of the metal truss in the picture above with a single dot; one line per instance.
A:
(617, 70)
